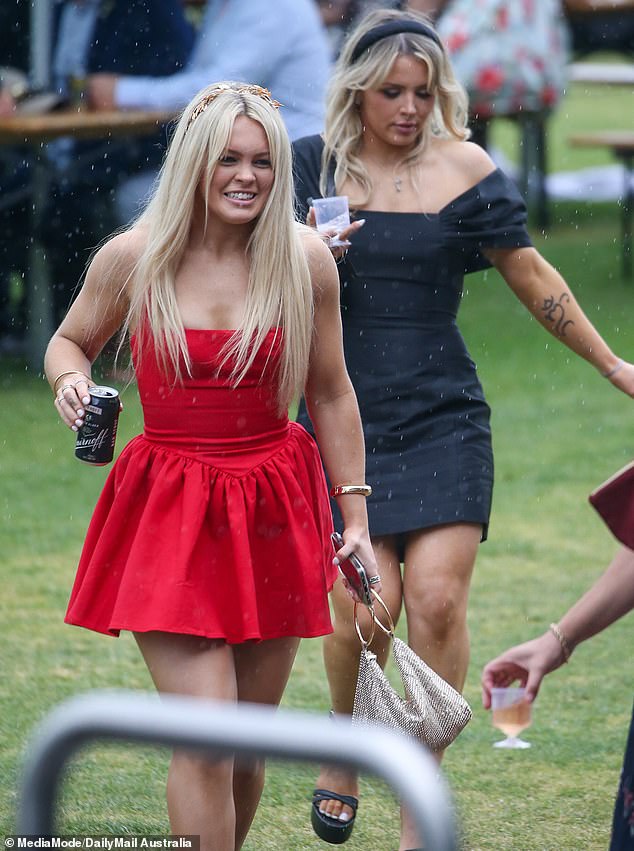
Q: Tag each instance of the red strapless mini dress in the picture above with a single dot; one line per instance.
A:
(216, 520)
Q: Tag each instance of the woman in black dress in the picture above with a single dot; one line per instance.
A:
(427, 207)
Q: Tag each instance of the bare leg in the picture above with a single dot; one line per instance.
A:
(262, 671)
(199, 790)
(214, 798)
(438, 567)
(341, 657)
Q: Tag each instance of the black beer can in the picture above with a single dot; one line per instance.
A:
(96, 438)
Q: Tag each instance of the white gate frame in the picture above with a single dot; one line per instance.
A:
(219, 728)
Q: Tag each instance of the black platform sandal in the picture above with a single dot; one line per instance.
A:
(331, 829)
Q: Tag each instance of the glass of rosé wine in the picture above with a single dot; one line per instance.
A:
(511, 715)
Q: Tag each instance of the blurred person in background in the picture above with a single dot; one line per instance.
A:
(337, 15)
(282, 46)
(14, 176)
(511, 57)
(131, 36)
(611, 597)
(134, 37)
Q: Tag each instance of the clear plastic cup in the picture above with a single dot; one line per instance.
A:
(332, 213)
(511, 715)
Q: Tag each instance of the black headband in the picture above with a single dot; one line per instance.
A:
(392, 28)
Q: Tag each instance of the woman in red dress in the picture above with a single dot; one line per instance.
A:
(210, 541)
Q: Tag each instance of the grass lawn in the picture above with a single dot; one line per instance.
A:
(559, 429)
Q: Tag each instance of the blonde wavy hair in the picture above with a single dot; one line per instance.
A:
(279, 293)
(343, 132)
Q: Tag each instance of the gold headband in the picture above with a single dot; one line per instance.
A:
(242, 89)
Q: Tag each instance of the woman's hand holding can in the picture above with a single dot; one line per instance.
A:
(72, 397)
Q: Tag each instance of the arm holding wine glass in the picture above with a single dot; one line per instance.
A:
(611, 597)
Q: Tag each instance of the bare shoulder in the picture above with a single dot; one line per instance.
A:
(470, 159)
(466, 159)
(314, 244)
(319, 257)
(124, 248)
(118, 256)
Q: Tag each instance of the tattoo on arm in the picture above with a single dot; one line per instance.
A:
(555, 312)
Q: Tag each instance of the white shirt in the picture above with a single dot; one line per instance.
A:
(281, 45)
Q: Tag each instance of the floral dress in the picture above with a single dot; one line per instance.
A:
(510, 56)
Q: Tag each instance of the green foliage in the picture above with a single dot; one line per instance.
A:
(559, 429)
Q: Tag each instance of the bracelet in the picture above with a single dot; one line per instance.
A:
(566, 649)
(614, 369)
(342, 490)
(69, 372)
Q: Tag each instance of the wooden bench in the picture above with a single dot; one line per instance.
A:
(593, 7)
(621, 144)
(602, 73)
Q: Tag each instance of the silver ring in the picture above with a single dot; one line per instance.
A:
(65, 387)
(374, 580)
(59, 400)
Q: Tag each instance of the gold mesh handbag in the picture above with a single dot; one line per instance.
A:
(432, 711)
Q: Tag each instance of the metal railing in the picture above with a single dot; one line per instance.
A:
(219, 728)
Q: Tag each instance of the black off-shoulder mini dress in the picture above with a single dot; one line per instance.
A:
(425, 418)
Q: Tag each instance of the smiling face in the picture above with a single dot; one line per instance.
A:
(395, 112)
(243, 177)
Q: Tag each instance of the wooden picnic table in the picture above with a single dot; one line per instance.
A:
(621, 144)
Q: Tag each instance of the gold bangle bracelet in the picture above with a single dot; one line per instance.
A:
(69, 372)
(342, 490)
(566, 649)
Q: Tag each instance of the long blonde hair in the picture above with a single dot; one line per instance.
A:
(279, 292)
(343, 132)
